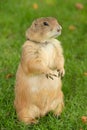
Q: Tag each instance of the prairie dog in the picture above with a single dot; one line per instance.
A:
(38, 78)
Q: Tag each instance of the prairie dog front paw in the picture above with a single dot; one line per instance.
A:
(51, 75)
(61, 72)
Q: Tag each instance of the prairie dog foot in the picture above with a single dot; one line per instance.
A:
(59, 109)
(29, 115)
(60, 106)
(30, 121)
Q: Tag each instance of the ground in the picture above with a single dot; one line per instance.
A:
(15, 17)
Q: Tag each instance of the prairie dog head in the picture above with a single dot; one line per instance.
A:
(43, 29)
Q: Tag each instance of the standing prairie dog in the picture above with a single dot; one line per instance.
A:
(38, 78)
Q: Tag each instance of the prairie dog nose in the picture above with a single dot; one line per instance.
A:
(59, 28)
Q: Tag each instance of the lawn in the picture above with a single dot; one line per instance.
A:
(15, 17)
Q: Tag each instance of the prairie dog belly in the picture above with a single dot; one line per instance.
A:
(44, 92)
(40, 82)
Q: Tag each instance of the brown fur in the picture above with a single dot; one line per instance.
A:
(38, 86)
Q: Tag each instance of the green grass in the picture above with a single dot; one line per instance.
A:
(15, 17)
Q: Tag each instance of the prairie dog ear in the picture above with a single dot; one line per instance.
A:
(27, 33)
(31, 29)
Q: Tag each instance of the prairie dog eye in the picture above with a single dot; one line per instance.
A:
(45, 23)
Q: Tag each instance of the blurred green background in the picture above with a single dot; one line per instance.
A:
(15, 17)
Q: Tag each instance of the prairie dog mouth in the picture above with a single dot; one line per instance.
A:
(57, 34)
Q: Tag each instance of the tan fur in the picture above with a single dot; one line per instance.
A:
(38, 86)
